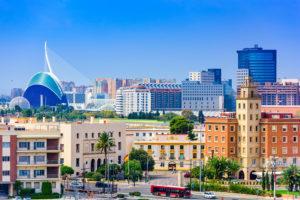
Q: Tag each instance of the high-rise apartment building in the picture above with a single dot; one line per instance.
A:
(133, 99)
(250, 137)
(164, 96)
(260, 63)
(202, 77)
(217, 74)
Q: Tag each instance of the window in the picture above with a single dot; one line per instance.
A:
(144, 134)
(284, 160)
(216, 138)
(263, 139)
(28, 184)
(239, 139)
(181, 147)
(181, 156)
(209, 138)
(263, 128)
(194, 155)
(257, 106)
(25, 145)
(256, 128)
(253, 162)
(149, 147)
(239, 149)
(244, 139)
(209, 127)
(231, 150)
(141, 146)
(39, 145)
(162, 147)
(250, 150)
(24, 159)
(119, 160)
(244, 127)
(256, 116)
(216, 149)
(216, 127)
(231, 128)
(92, 135)
(119, 134)
(99, 134)
(239, 128)
(77, 162)
(223, 128)
(172, 147)
(244, 105)
(250, 116)
(77, 148)
(172, 156)
(209, 149)
(295, 139)
(231, 139)
(5, 144)
(242, 161)
(295, 128)
(5, 172)
(53, 185)
(295, 150)
(86, 135)
(256, 139)
(5, 158)
(263, 150)
(250, 105)
(274, 150)
(239, 117)
(24, 173)
(39, 159)
(284, 128)
(239, 105)
(250, 128)
(111, 134)
(256, 150)
(284, 139)
(274, 139)
(223, 149)
(294, 161)
(250, 139)
(244, 116)
(223, 139)
(39, 172)
(92, 147)
(36, 185)
(181, 164)
(274, 128)
(244, 150)
(119, 146)
(284, 150)
(195, 147)
(77, 135)
(150, 134)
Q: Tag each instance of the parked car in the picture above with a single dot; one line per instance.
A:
(187, 175)
(27, 198)
(209, 195)
(101, 184)
(76, 184)
(235, 181)
(258, 179)
(18, 198)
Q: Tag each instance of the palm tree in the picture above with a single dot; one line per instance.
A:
(232, 168)
(103, 142)
(291, 177)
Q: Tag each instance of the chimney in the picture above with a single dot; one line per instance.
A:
(92, 119)
(53, 118)
(44, 119)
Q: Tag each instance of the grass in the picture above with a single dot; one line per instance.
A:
(286, 192)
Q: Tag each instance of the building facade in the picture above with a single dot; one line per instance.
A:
(261, 64)
(203, 76)
(134, 99)
(164, 96)
(250, 137)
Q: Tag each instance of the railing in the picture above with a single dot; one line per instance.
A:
(53, 147)
(52, 176)
(38, 162)
(32, 177)
(39, 148)
(52, 162)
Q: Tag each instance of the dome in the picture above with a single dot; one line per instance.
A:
(19, 101)
(44, 89)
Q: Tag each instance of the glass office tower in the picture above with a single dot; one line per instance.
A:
(260, 63)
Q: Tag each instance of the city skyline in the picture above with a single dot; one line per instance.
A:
(142, 39)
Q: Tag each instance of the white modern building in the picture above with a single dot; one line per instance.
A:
(133, 99)
(203, 76)
(241, 74)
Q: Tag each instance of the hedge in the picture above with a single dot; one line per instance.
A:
(40, 196)
(46, 188)
(27, 191)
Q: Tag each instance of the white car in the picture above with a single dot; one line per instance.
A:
(76, 184)
(209, 195)
(258, 179)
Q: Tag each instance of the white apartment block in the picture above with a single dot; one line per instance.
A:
(134, 99)
(203, 77)
(197, 96)
(241, 74)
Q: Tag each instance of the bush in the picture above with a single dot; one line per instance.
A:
(89, 175)
(97, 176)
(27, 191)
(137, 194)
(244, 189)
(131, 193)
(46, 188)
(278, 195)
(121, 195)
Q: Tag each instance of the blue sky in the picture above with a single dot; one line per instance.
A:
(160, 39)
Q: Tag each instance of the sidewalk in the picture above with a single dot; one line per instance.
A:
(238, 195)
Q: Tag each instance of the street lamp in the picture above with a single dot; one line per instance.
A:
(200, 163)
(273, 163)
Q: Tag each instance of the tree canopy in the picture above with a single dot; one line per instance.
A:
(180, 125)
(189, 115)
(291, 177)
(141, 155)
(220, 165)
(66, 170)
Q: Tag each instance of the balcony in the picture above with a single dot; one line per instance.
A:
(31, 177)
(48, 162)
(52, 176)
(48, 148)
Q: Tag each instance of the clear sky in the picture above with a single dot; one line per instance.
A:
(159, 39)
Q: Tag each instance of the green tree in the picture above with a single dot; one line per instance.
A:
(220, 165)
(232, 168)
(138, 170)
(141, 155)
(18, 187)
(27, 112)
(201, 118)
(46, 188)
(66, 170)
(189, 115)
(267, 181)
(114, 169)
(291, 177)
(18, 108)
(263, 180)
(180, 125)
(105, 141)
(195, 172)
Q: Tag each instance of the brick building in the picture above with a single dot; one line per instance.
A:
(250, 137)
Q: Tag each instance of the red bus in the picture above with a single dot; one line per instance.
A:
(171, 191)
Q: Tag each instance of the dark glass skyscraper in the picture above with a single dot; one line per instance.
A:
(218, 74)
(261, 63)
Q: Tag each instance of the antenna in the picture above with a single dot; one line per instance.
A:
(47, 59)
